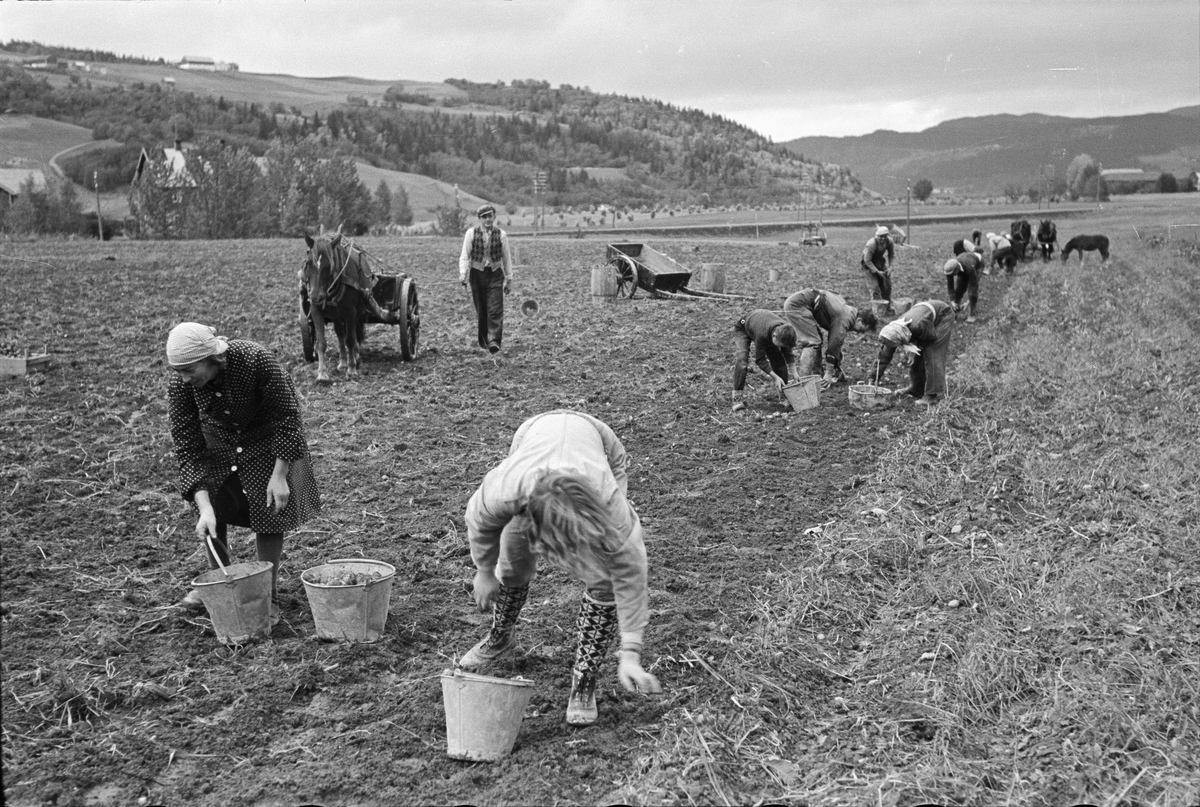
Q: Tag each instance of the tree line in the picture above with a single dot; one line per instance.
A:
(667, 155)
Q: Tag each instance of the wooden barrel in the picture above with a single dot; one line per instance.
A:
(604, 284)
(712, 277)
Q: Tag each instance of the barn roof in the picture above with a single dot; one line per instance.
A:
(11, 179)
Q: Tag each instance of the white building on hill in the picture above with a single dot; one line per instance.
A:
(207, 63)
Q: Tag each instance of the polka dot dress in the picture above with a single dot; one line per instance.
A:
(240, 422)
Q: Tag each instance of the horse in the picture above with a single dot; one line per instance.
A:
(336, 286)
(1087, 243)
(1047, 237)
(1022, 234)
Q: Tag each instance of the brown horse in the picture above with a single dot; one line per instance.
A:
(1087, 243)
(334, 277)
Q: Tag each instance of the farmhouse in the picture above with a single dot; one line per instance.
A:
(206, 63)
(11, 180)
(1129, 180)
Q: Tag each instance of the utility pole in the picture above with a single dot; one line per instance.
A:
(99, 218)
(1099, 171)
(908, 216)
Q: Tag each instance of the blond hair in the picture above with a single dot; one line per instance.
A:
(571, 525)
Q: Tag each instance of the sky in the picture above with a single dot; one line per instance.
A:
(785, 68)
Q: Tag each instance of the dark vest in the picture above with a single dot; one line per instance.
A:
(495, 248)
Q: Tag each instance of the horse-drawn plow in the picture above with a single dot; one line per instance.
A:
(639, 266)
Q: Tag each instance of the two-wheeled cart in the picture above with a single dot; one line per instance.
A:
(641, 266)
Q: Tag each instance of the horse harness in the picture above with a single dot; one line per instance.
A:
(331, 297)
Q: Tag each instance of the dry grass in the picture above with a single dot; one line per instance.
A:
(1010, 606)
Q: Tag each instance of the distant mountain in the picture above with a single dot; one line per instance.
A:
(984, 155)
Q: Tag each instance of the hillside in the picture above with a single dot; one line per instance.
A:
(983, 155)
(489, 139)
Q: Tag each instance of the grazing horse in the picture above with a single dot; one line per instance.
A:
(1022, 235)
(337, 285)
(1047, 237)
(1087, 243)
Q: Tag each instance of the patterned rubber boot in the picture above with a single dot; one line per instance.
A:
(597, 626)
(502, 637)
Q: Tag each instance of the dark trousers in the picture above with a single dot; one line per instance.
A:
(879, 282)
(966, 284)
(1005, 257)
(487, 293)
(741, 357)
(928, 372)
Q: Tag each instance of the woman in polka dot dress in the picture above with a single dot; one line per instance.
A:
(239, 438)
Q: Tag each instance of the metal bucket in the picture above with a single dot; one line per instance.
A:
(804, 392)
(483, 714)
(356, 612)
(868, 396)
(530, 308)
(238, 600)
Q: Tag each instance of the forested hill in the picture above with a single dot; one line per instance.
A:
(489, 139)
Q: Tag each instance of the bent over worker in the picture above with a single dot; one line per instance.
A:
(486, 259)
(239, 438)
(773, 340)
(823, 317)
(962, 279)
(877, 258)
(560, 495)
(924, 332)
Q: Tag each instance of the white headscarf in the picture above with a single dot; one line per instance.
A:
(190, 342)
(896, 332)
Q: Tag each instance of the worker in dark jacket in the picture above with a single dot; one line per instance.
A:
(773, 341)
(962, 279)
(823, 317)
(924, 333)
(877, 258)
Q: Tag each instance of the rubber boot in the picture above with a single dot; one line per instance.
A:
(970, 312)
(502, 637)
(597, 626)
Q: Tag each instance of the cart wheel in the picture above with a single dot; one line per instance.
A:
(626, 277)
(408, 310)
(308, 331)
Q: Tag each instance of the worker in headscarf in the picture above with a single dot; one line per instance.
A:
(923, 332)
(774, 341)
(962, 280)
(877, 258)
(823, 317)
(239, 438)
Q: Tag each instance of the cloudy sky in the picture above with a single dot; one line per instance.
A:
(786, 68)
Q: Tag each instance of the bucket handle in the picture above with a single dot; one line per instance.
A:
(213, 550)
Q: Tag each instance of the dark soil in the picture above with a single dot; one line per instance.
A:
(112, 695)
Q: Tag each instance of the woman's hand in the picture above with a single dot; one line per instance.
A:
(278, 491)
(487, 588)
(206, 524)
(633, 677)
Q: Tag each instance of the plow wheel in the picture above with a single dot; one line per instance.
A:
(408, 313)
(627, 279)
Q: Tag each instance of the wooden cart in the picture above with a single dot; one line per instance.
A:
(641, 266)
(396, 294)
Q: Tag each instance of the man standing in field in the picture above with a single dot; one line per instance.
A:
(819, 316)
(924, 333)
(486, 260)
(877, 258)
(773, 341)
